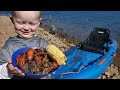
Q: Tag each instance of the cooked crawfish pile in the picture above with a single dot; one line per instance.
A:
(36, 61)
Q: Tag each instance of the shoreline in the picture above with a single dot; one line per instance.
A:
(7, 30)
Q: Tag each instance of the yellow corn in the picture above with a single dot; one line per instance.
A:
(56, 54)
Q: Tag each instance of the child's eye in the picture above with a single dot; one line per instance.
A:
(32, 23)
(21, 22)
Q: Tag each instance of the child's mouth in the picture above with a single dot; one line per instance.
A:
(25, 33)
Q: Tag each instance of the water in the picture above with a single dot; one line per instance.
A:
(4, 13)
(78, 24)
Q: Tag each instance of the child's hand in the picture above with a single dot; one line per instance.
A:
(14, 70)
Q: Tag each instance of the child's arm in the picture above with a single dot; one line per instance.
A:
(4, 54)
(4, 72)
(6, 68)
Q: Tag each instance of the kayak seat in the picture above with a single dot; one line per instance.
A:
(96, 40)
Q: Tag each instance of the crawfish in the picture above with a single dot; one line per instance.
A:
(43, 53)
(38, 59)
(45, 58)
(21, 60)
(30, 53)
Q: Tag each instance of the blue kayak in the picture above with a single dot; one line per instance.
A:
(83, 64)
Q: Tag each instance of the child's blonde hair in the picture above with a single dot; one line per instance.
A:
(13, 13)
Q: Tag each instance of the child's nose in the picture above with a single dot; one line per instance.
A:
(26, 27)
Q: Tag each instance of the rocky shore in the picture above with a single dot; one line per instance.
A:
(7, 30)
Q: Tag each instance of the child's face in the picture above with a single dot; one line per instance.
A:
(26, 23)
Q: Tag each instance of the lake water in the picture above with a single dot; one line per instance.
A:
(78, 24)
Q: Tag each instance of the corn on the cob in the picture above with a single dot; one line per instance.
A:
(56, 54)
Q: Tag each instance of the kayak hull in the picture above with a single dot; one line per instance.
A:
(82, 64)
